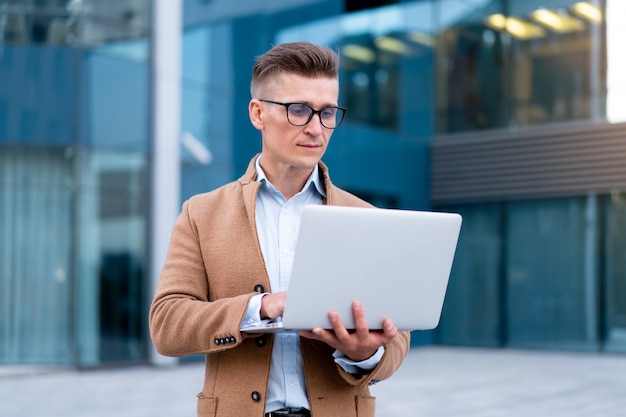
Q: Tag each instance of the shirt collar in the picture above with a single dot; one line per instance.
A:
(313, 178)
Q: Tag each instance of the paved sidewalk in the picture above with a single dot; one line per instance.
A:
(433, 382)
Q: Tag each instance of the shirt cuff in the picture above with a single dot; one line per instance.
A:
(356, 368)
(252, 318)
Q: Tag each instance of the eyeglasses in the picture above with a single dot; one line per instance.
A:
(299, 114)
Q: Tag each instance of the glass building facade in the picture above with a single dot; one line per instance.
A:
(506, 111)
(74, 146)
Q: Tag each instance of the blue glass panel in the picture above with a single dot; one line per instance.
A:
(548, 297)
(207, 111)
(387, 63)
(4, 119)
(472, 308)
(615, 282)
(36, 214)
(39, 104)
(116, 105)
(503, 64)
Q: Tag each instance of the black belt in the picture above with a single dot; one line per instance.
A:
(289, 412)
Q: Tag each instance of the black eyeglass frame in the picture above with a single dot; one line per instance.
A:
(343, 111)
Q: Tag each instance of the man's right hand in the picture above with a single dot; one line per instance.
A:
(273, 305)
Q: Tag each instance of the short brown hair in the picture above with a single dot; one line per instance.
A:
(301, 58)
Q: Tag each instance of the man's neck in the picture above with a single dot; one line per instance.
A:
(288, 181)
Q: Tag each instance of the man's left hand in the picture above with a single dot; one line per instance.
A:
(358, 345)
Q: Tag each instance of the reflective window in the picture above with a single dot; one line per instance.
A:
(615, 280)
(207, 102)
(115, 96)
(517, 63)
(487, 63)
(74, 105)
(550, 277)
(615, 60)
(471, 313)
(36, 216)
(72, 22)
(386, 64)
(119, 188)
(527, 274)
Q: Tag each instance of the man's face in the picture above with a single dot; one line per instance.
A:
(288, 147)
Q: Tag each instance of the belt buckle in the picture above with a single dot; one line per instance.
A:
(284, 412)
(279, 412)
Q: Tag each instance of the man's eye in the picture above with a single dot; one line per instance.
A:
(298, 109)
(329, 112)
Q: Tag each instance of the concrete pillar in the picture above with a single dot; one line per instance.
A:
(166, 45)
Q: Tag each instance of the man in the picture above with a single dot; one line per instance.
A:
(230, 259)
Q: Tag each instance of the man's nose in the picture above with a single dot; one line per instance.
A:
(314, 126)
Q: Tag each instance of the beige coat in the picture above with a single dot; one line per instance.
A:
(214, 266)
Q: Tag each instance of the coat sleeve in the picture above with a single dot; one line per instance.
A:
(395, 352)
(182, 320)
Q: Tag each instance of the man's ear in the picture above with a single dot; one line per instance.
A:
(255, 111)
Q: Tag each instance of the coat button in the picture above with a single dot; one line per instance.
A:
(259, 288)
(261, 341)
(232, 339)
(217, 341)
(256, 397)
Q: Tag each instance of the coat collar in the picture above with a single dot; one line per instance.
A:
(251, 185)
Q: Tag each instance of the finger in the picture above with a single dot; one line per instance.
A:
(308, 334)
(390, 331)
(360, 321)
(322, 335)
(340, 331)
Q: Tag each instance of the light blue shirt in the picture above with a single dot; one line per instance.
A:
(278, 223)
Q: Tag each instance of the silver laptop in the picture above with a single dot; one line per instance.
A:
(395, 262)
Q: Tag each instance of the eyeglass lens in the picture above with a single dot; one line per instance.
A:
(300, 114)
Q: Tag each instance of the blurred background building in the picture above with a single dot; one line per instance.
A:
(510, 112)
